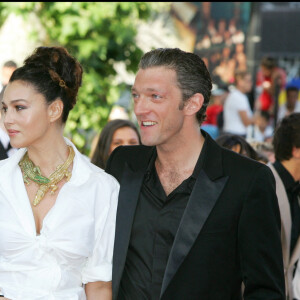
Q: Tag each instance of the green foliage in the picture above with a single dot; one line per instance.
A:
(98, 34)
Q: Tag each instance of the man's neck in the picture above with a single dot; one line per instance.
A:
(184, 156)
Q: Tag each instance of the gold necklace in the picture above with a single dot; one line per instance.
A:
(33, 173)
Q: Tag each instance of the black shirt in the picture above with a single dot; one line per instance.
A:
(155, 224)
(291, 186)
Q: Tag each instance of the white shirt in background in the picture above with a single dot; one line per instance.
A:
(254, 134)
(236, 101)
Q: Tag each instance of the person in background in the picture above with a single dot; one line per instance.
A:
(261, 130)
(237, 112)
(286, 170)
(269, 78)
(194, 219)
(213, 111)
(237, 144)
(265, 150)
(57, 231)
(292, 103)
(7, 69)
(115, 133)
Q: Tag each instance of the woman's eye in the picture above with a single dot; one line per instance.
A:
(20, 107)
(4, 109)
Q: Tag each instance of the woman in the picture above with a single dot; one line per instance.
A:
(115, 133)
(57, 231)
(237, 144)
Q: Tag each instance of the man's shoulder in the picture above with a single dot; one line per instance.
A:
(133, 156)
(238, 164)
(131, 152)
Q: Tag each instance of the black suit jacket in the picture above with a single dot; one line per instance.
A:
(229, 232)
(3, 153)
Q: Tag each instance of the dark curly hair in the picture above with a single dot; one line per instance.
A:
(287, 136)
(192, 74)
(54, 73)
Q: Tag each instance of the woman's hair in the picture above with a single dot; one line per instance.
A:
(230, 140)
(54, 73)
(101, 153)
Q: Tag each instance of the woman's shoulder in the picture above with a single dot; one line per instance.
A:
(96, 173)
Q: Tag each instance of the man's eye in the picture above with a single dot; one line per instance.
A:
(155, 96)
(4, 109)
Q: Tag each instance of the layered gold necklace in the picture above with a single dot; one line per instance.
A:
(33, 173)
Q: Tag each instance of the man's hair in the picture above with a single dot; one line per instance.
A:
(287, 136)
(292, 89)
(269, 63)
(265, 114)
(10, 64)
(240, 74)
(192, 74)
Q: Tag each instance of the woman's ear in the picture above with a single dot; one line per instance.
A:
(55, 110)
(194, 104)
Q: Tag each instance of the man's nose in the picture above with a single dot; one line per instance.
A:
(141, 106)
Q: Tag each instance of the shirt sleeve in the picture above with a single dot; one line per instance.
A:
(99, 264)
(242, 103)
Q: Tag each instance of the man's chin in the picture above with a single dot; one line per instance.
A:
(148, 143)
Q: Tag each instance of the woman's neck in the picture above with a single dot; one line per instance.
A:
(48, 155)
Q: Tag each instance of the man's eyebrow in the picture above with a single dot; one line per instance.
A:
(148, 89)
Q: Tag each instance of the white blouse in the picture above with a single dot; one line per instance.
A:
(75, 245)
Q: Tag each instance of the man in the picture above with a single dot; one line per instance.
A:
(237, 112)
(292, 103)
(194, 220)
(286, 170)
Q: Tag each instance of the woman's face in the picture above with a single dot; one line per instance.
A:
(124, 136)
(25, 114)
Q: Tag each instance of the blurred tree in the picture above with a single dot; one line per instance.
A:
(98, 34)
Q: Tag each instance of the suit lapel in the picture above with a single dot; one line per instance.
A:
(285, 213)
(130, 186)
(296, 252)
(206, 191)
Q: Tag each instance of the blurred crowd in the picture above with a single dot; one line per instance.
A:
(232, 114)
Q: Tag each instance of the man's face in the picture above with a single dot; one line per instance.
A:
(158, 106)
(291, 98)
(266, 72)
(245, 83)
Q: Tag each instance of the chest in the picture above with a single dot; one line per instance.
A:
(46, 203)
(170, 179)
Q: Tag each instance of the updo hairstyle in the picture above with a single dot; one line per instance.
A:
(54, 73)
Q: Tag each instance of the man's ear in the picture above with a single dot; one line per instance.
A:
(194, 104)
(55, 110)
